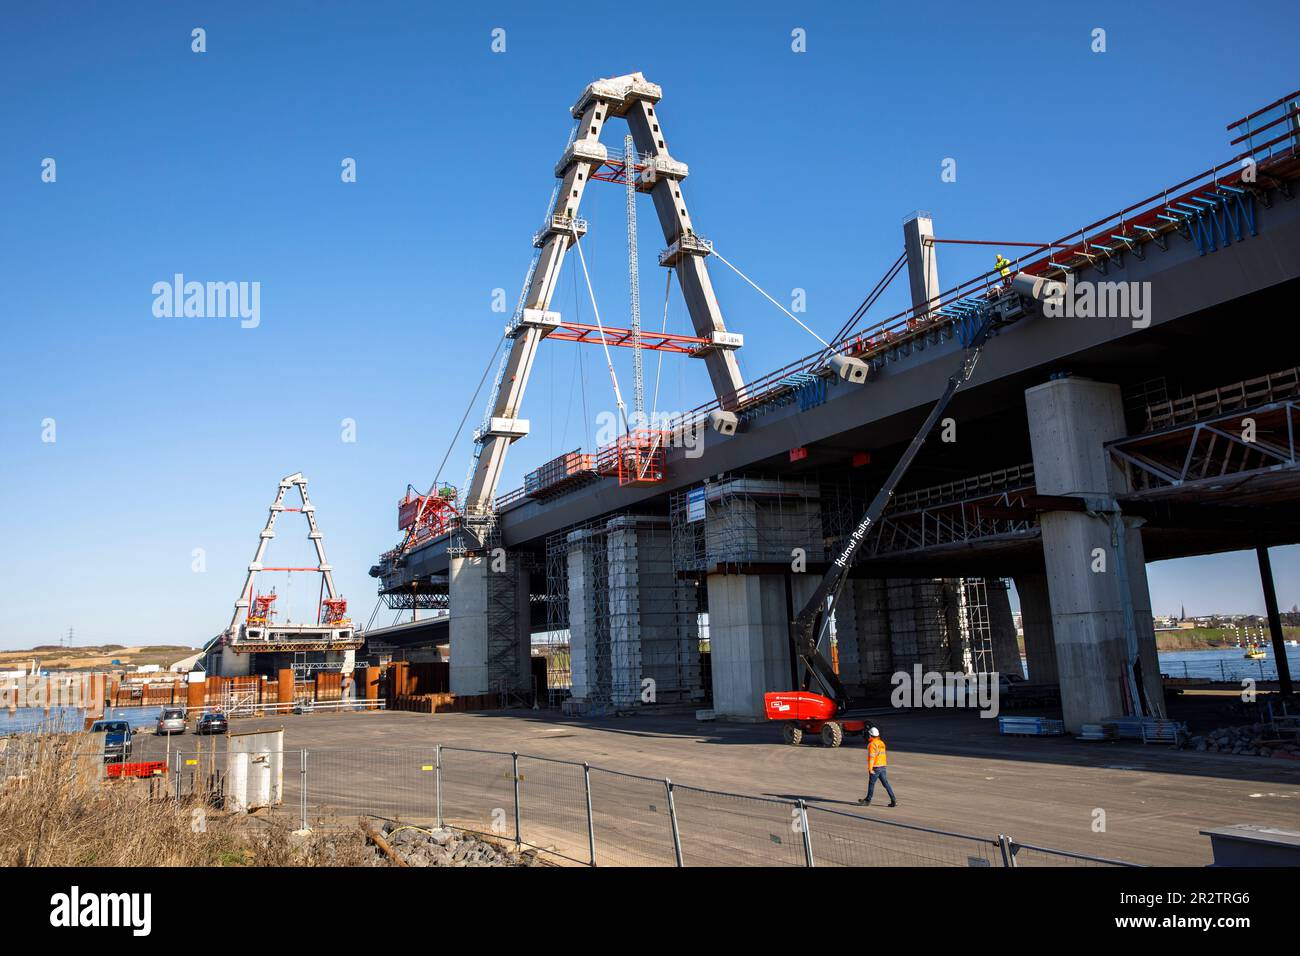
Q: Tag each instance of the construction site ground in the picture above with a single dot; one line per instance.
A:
(951, 771)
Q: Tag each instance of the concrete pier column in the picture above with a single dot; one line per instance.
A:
(749, 638)
(1093, 607)
(1036, 622)
(488, 624)
(587, 620)
(749, 642)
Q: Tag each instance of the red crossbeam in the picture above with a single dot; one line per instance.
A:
(651, 341)
(613, 171)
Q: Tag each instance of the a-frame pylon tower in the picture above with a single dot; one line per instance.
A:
(329, 642)
(633, 98)
(330, 604)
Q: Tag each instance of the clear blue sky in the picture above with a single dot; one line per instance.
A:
(375, 296)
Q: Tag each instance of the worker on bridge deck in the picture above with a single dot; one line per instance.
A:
(1003, 266)
(876, 761)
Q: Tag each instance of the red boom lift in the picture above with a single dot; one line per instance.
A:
(828, 713)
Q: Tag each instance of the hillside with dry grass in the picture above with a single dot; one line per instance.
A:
(54, 657)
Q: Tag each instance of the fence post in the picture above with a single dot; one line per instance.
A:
(1008, 854)
(672, 817)
(179, 764)
(515, 763)
(807, 837)
(591, 823)
(438, 782)
(302, 785)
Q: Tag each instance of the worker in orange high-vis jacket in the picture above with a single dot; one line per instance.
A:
(876, 761)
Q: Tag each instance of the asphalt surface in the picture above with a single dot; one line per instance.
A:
(952, 772)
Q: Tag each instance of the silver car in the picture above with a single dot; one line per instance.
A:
(170, 721)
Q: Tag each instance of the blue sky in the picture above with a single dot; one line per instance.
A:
(376, 295)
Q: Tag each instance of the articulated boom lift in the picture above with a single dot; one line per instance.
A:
(828, 713)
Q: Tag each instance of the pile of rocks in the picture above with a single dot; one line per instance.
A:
(446, 847)
(1250, 739)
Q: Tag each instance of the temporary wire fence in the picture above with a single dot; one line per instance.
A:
(592, 816)
(1026, 854)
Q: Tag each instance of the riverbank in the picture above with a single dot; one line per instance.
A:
(1209, 638)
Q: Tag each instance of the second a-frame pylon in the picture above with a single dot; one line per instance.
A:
(255, 643)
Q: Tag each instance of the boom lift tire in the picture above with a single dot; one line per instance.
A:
(832, 734)
(793, 734)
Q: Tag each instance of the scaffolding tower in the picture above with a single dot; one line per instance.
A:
(737, 521)
(621, 627)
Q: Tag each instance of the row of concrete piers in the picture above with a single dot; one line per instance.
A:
(635, 627)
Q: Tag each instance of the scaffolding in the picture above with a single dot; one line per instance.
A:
(923, 624)
(505, 588)
(622, 629)
(975, 624)
(735, 521)
(884, 626)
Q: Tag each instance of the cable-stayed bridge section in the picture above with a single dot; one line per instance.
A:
(1138, 401)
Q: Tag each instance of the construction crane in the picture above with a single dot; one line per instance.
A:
(634, 280)
(828, 713)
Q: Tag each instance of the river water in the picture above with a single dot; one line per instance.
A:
(1226, 664)
(72, 718)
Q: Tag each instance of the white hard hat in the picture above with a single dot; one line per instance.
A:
(875, 732)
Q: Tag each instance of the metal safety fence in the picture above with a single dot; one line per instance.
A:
(576, 813)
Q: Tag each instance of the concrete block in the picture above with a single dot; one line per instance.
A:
(1070, 419)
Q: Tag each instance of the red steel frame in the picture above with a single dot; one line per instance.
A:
(651, 341)
(614, 171)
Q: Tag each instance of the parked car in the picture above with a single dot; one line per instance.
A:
(213, 723)
(171, 721)
(117, 739)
